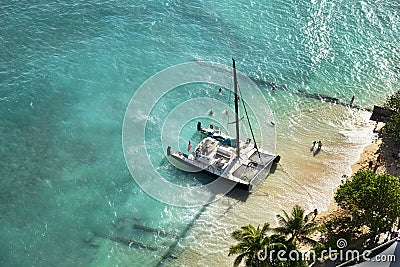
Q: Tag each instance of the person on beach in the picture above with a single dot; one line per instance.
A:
(376, 127)
(379, 158)
(372, 238)
(351, 102)
(370, 164)
(313, 145)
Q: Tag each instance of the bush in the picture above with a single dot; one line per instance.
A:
(393, 124)
(373, 200)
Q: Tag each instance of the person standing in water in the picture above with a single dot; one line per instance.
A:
(313, 145)
(351, 102)
(319, 145)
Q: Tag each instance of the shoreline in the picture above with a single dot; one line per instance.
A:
(312, 181)
(370, 152)
(361, 164)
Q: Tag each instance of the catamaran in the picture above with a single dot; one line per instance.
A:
(221, 155)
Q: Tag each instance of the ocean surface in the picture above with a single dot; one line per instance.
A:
(68, 70)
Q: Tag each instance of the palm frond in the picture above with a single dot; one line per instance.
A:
(282, 230)
(308, 241)
(236, 249)
(310, 216)
(277, 246)
(310, 228)
(237, 234)
(282, 220)
(238, 260)
(266, 227)
(297, 212)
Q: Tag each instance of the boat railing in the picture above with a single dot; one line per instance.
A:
(261, 175)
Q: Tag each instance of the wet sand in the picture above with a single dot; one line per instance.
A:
(381, 145)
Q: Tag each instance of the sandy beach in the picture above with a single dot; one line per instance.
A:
(386, 163)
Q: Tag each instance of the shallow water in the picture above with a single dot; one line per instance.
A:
(69, 70)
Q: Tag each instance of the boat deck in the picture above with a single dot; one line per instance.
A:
(262, 158)
(253, 166)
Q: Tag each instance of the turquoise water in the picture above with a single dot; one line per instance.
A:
(69, 70)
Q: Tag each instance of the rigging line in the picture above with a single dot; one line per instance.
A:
(233, 122)
(248, 120)
(230, 94)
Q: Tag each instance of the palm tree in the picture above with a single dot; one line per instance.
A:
(251, 241)
(297, 226)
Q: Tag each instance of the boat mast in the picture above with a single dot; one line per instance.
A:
(236, 110)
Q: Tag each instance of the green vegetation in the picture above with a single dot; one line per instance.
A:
(339, 227)
(368, 199)
(393, 125)
(254, 242)
(298, 226)
(393, 102)
(372, 199)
